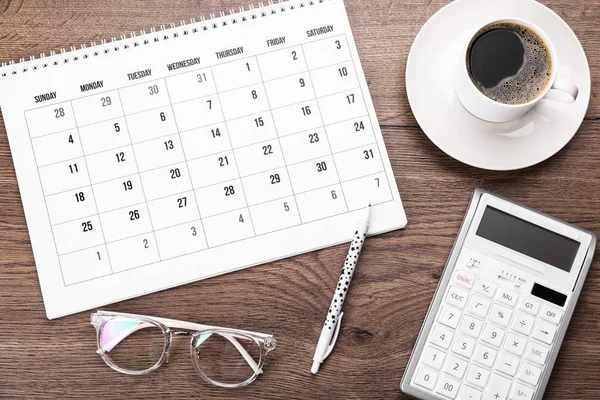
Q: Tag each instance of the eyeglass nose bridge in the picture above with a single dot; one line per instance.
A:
(169, 334)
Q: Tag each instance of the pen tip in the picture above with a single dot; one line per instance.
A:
(315, 367)
(369, 204)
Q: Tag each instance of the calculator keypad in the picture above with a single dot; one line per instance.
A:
(487, 341)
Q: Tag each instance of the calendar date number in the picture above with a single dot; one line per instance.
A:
(59, 112)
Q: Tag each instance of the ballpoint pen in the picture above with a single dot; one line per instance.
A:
(331, 328)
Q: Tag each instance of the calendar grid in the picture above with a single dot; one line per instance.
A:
(225, 244)
(387, 178)
(186, 165)
(91, 186)
(324, 127)
(287, 171)
(45, 202)
(252, 174)
(215, 184)
(186, 101)
(233, 152)
(138, 173)
(203, 156)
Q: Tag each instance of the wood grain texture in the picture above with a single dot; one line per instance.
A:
(398, 272)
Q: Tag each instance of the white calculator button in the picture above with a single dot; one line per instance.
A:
(463, 278)
(433, 357)
(485, 355)
(468, 393)
(530, 373)
(515, 344)
(457, 297)
(464, 346)
(551, 314)
(521, 392)
(500, 315)
(449, 316)
(536, 353)
(530, 306)
(485, 288)
(507, 363)
(441, 337)
(447, 387)
(493, 335)
(471, 326)
(507, 297)
(544, 332)
(498, 388)
(479, 306)
(478, 376)
(426, 378)
(455, 366)
(523, 323)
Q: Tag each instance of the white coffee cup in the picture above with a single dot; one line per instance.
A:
(487, 109)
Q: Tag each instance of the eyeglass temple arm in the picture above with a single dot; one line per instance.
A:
(173, 323)
(243, 352)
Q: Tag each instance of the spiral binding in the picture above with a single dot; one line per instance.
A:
(155, 34)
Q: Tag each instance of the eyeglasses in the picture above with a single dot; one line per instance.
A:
(136, 344)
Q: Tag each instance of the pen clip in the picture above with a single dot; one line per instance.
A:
(331, 344)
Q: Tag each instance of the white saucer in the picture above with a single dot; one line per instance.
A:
(533, 138)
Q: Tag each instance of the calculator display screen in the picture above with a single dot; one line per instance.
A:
(527, 238)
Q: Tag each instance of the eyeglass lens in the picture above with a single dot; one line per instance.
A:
(226, 358)
(131, 344)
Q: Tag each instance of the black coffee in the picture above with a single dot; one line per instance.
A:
(509, 63)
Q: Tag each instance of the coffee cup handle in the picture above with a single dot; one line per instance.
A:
(562, 91)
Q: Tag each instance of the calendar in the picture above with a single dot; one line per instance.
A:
(189, 151)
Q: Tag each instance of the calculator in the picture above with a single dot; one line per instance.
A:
(502, 307)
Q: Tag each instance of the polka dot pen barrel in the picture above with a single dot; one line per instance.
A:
(333, 321)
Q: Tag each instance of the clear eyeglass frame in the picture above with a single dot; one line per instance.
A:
(171, 328)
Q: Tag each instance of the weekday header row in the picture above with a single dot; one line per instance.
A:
(186, 63)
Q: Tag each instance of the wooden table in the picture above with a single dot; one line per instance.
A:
(399, 271)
